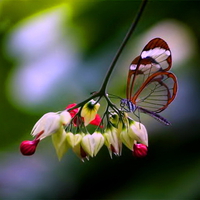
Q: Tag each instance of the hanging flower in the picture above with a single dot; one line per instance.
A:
(99, 141)
(60, 143)
(138, 132)
(78, 148)
(73, 139)
(112, 141)
(96, 121)
(50, 123)
(126, 139)
(89, 111)
(112, 134)
(88, 144)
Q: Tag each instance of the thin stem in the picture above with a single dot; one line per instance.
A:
(85, 101)
(128, 35)
(102, 91)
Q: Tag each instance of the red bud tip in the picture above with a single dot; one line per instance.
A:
(140, 150)
(28, 148)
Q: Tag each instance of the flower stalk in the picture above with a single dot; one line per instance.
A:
(102, 91)
(127, 37)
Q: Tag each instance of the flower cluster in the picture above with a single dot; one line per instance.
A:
(68, 129)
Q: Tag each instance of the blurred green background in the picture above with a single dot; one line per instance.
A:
(53, 53)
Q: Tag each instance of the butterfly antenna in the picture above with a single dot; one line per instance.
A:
(114, 96)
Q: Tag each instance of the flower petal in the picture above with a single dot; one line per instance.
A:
(89, 111)
(126, 139)
(50, 123)
(65, 117)
(78, 149)
(96, 121)
(88, 144)
(112, 141)
(60, 143)
(99, 141)
(73, 139)
(138, 132)
(74, 111)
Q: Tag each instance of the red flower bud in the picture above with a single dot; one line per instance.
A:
(28, 148)
(140, 150)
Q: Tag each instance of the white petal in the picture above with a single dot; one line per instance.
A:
(65, 117)
(99, 141)
(88, 144)
(47, 125)
(137, 131)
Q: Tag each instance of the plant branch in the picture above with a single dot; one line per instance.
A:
(102, 91)
(128, 35)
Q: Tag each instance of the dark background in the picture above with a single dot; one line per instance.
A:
(53, 53)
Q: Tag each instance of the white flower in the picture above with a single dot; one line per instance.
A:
(99, 141)
(126, 139)
(88, 144)
(78, 149)
(138, 132)
(73, 139)
(60, 143)
(112, 141)
(50, 123)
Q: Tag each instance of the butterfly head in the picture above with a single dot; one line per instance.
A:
(127, 105)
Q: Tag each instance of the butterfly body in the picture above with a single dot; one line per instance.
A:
(150, 86)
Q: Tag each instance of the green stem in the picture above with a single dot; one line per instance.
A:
(128, 35)
(102, 91)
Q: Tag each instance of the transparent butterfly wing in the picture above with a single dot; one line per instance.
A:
(157, 92)
(149, 85)
(140, 70)
(158, 50)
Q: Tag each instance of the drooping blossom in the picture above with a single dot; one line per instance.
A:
(49, 124)
(112, 141)
(89, 111)
(76, 121)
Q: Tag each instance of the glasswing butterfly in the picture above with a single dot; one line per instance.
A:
(150, 85)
